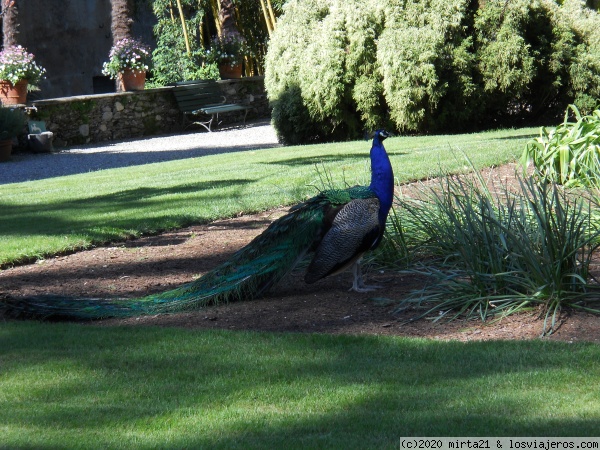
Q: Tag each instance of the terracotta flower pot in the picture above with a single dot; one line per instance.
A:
(5, 150)
(13, 94)
(226, 70)
(131, 80)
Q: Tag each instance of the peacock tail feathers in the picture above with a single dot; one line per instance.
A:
(247, 274)
(338, 225)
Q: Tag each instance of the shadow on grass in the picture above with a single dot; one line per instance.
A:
(59, 217)
(516, 137)
(107, 270)
(200, 389)
(316, 160)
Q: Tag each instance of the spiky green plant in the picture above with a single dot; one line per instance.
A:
(569, 153)
(495, 253)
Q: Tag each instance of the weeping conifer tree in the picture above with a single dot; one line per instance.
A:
(336, 68)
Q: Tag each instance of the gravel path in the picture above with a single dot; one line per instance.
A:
(89, 158)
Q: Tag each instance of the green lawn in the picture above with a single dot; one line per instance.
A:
(75, 386)
(48, 216)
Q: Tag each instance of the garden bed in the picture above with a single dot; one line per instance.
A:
(158, 263)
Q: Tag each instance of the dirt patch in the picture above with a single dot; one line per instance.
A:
(158, 263)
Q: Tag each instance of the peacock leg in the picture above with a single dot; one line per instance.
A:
(358, 284)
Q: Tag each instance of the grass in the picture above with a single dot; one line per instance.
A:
(492, 251)
(74, 386)
(46, 217)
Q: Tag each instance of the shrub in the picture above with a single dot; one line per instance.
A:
(568, 154)
(172, 65)
(431, 66)
(427, 64)
(295, 122)
(584, 70)
(12, 122)
(292, 120)
(170, 60)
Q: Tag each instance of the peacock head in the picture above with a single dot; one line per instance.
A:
(381, 134)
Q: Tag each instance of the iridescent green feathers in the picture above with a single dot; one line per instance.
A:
(264, 261)
(337, 225)
(246, 275)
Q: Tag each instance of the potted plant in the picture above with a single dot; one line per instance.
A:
(229, 51)
(12, 123)
(19, 73)
(128, 63)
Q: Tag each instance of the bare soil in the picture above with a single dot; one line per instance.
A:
(158, 263)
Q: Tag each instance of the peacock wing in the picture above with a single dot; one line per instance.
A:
(353, 231)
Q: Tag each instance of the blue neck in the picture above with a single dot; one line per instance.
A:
(382, 178)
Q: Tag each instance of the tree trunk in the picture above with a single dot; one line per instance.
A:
(121, 22)
(121, 19)
(226, 12)
(10, 23)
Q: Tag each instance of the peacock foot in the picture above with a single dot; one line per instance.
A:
(359, 286)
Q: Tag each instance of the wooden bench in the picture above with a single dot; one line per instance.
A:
(204, 97)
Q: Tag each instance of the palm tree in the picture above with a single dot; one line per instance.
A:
(226, 17)
(10, 23)
(121, 23)
(121, 19)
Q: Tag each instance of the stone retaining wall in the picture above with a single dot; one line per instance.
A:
(105, 117)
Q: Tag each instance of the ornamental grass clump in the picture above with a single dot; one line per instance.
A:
(495, 253)
(17, 64)
(126, 54)
(569, 153)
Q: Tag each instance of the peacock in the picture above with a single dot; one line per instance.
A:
(337, 226)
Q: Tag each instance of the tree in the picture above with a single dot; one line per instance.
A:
(186, 29)
(121, 19)
(10, 23)
(226, 17)
(336, 68)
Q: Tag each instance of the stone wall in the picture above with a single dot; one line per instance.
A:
(106, 117)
